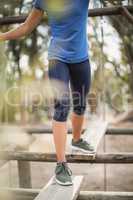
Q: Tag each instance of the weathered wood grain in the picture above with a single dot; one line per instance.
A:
(54, 191)
(94, 195)
(30, 194)
(48, 130)
(110, 130)
(24, 173)
(126, 158)
(95, 132)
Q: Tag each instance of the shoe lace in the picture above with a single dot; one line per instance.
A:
(64, 168)
(85, 143)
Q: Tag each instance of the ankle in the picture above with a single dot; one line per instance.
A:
(76, 139)
(61, 161)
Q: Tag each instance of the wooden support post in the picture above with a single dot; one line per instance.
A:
(127, 14)
(24, 172)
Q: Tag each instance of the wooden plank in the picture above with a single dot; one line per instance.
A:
(119, 131)
(48, 130)
(54, 191)
(110, 130)
(95, 195)
(95, 132)
(18, 194)
(114, 10)
(30, 194)
(110, 158)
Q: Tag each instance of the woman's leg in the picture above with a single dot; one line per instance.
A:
(59, 133)
(77, 125)
(80, 82)
(59, 75)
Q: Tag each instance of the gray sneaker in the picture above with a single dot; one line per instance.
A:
(63, 174)
(83, 146)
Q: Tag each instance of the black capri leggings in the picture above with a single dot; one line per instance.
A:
(76, 76)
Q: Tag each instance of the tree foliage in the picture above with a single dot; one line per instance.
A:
(118, 74)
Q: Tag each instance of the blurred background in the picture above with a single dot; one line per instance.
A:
(24, 65)
(24, 90)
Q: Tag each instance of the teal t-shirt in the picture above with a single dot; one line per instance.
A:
(69, 42)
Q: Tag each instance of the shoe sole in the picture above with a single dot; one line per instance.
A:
(82, 150)
(63, 184)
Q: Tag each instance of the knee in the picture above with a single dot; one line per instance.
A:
(79, 110)
(62, 108)
(79, 103)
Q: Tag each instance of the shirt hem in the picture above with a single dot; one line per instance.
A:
(67, 60)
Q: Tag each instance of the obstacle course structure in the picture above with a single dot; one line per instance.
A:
(52, 191)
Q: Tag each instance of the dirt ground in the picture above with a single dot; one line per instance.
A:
(115, 177)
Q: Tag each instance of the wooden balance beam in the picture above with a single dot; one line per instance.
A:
(54, 191)
(31, 194)
(95, 132)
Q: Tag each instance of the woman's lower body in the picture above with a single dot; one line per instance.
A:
(69, 80)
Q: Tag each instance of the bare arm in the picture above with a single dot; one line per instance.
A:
(27, 27)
